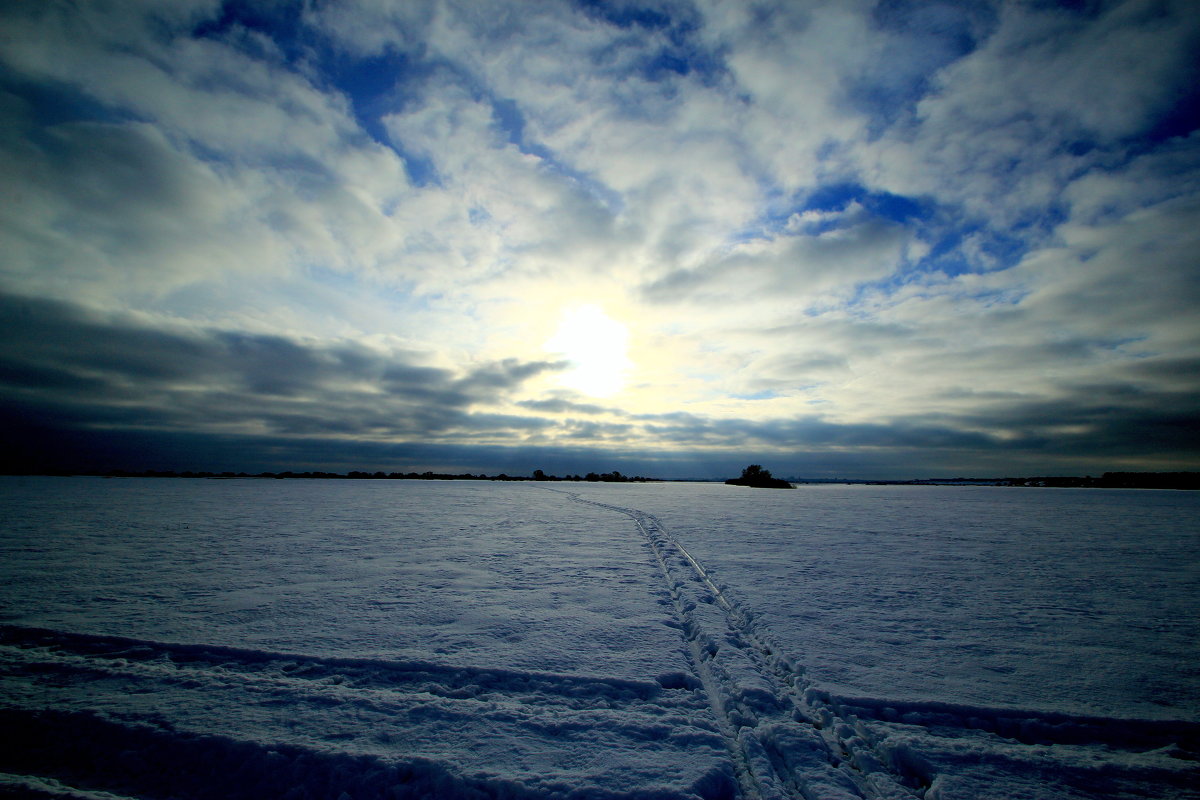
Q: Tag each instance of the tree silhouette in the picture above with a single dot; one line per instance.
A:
(755, 475)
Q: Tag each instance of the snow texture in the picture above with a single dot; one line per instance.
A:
(225, 639)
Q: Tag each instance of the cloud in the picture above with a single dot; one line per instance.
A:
(557, 405)
(94, 383)
(849, 235)
(801, 266)
(1049, 94)
(232, 382)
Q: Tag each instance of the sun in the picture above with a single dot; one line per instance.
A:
(596, 346)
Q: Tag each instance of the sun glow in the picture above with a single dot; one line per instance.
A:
(596, 345)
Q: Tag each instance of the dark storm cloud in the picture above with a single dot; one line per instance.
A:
(1121, 420)
(502, 376)
(1093, 429)
(557, 405)
(81, 381)
(810, 433)
(67, 365)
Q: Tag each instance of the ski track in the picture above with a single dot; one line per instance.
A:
(791, 740)
(787, 740)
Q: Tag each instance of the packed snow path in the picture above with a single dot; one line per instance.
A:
(786, 740)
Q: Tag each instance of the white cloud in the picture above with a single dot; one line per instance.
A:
(998, 132)
(518, 159)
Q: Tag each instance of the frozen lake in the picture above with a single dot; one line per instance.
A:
(257, 638)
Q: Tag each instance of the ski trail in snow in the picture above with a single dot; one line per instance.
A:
(788, 740)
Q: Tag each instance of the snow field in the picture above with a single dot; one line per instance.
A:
(196, 703)
(463, 572)
(917, 716)
(350, 640)
(783, 745)
(443, 640)
(1083, 602)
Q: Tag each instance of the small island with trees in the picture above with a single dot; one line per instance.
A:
(754, 475)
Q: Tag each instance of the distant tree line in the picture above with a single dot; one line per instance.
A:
(603, 477)
(754, 475)
(538, 475)
(1116, 480)
(1109, 480)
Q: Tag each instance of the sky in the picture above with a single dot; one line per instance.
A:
(841, 239)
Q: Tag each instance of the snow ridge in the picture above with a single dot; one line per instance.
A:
(1027, 726)
(353, 679)
(788, 740)
(99, 759)
(89, 714)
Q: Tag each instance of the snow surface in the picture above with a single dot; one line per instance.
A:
(255, 638)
